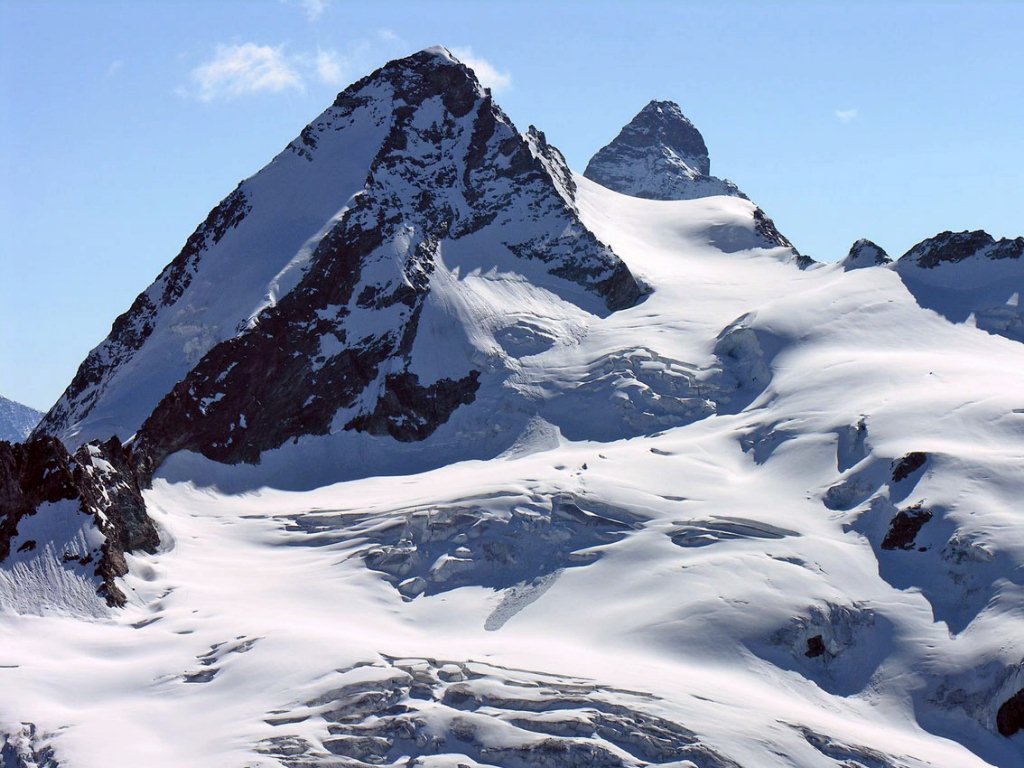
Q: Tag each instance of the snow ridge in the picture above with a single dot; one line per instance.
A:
(969, 277)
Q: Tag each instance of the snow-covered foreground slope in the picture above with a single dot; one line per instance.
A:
(820, 567)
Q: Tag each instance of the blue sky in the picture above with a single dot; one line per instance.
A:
(122, 124)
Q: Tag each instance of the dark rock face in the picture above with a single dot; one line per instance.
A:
(865, 253)
(905, 526)
(908, 465)
(409, 411)
(815, 647)
(1010, 717)
(660, 155)
(23, 749)
(952, 247)
(103, 480)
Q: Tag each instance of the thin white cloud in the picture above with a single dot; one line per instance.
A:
(314, 8)
(240, 70)
(244, 69)
(846, 115)
(114, 67)
(329, 68)
(488, 75)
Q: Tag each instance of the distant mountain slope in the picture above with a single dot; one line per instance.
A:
(16, 420)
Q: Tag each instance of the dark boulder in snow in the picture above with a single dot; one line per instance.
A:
(23, 749)
(908, 465)
(1010, 717)
(905, 526)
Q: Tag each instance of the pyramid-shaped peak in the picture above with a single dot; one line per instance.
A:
(662, 125)
(659, 155)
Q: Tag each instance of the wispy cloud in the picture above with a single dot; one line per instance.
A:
(240, 70)
(314, 8)
(114, 68)
(488, 75)
(244, 69)
(846, 115)
(329, 68)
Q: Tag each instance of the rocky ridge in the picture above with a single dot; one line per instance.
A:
(106, 519)
(660, 155)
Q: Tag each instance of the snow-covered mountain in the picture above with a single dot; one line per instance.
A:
(659, 155)
(459, 458)
(16, 420)
(342, 256)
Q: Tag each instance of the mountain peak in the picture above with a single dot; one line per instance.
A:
(658, 155)
(432, 72)
(865, 253)
(663, 123)
(296, 308)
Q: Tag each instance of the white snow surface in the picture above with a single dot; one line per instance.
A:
(670, 558)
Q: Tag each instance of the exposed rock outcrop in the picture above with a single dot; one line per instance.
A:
(101, 480)
(905, 526)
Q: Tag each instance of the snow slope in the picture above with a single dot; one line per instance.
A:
(16, 420)
(704, 548)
